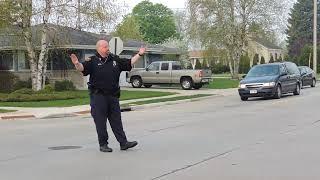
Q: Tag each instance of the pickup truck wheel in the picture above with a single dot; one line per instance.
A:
(186, 83)
(197, 86)
(136, 82)
(147, 85)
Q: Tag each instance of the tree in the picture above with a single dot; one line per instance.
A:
(225, 23)
(156, 22)
(255, 59)
(262, 61)
(258, 31)
(180, 44)
(24, 13)
(300, 31)
(6, 13)
(205, 64)
(128, 29)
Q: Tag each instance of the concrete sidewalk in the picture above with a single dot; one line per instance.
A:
(58, 112)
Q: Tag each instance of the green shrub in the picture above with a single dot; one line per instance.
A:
(7, 81)
(255, 60)
(244, 65)
(47, 89)
(219, 68)
(262, 61)
(23, 84)
(271, 59)
(16, 97)
(198, 65)
(23, 91)
(64, 86)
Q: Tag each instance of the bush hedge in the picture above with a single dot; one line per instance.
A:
(65, 85)
(219, 68)
(27, 95)
(7, 81)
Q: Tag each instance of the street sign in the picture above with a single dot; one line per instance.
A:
(116, 45)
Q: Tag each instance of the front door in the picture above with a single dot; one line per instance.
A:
(165, 73)
(151, 74)
(284, 79)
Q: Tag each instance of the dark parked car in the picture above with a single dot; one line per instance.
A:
(271, 80)
(308, 76)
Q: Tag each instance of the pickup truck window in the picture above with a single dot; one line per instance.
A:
(164, 66)
(154, 67)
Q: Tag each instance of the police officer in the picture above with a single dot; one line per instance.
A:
(104, 69)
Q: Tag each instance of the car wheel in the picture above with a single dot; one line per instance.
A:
(197, 86)
(186, 83)
(147, 85)
(244, 98)
(297, 90)
(136, 82)
(313, 83)
(278, 93)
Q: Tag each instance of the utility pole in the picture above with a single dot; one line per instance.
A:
(315, 14)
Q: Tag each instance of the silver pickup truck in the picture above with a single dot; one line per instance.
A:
(169, 72)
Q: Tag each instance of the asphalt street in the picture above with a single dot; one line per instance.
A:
(219, 138)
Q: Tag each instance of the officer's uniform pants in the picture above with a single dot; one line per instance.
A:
(103, 108)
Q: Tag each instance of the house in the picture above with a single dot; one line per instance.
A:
(61, 40)
(195, 56)
(263, 48)
(255, 47)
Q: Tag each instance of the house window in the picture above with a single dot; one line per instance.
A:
(26, 61)
(6, 60)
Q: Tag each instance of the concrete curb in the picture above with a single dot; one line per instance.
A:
(141, 107)
(87, 112)
(13, 117)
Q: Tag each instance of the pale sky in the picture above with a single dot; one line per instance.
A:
(173, 4)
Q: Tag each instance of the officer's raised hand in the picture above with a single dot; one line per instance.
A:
(76, 62)
(135, 58)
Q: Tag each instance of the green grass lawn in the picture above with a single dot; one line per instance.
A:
(83, 99)
(223, 83)
(166, 99)
(226, 75)
(6, 110)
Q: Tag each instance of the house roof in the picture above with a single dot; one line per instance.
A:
(196, 54)
(266, 43)
(66, 37)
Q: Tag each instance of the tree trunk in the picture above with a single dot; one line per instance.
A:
(42, 63)
(231, 64)
(27, 35)
(236, 68)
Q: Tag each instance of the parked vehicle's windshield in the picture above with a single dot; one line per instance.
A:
(258, 71)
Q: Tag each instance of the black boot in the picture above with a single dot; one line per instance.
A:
(128, 145)
(105, 148)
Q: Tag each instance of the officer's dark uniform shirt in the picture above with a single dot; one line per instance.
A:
(105, 72)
